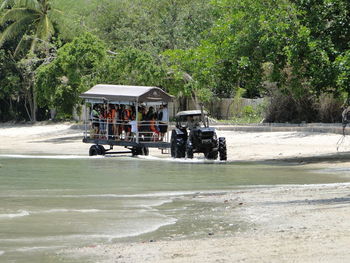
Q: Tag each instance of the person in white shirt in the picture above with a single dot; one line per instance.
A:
(133, 124)
(163, 118)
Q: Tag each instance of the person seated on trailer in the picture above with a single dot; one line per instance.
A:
(154, 127)
(94, 117)
(163, 119)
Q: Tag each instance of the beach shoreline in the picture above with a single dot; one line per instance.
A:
(286, 223)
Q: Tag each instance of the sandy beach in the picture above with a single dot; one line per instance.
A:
(286, 223)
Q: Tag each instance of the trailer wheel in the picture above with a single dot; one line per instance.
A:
(94, 150)
(102, 150)
(135, 151)
(145, 151)
(140, 151)
(222, 149)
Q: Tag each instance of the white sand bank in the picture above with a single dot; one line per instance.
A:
(286, 224)
(242, 146)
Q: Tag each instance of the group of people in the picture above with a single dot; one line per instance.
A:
(120, 122)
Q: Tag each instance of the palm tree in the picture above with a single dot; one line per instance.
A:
(25, 18)
(29, 21)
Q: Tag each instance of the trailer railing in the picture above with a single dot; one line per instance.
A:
(127, 131)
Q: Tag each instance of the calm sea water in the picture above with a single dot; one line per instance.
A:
(48, 203)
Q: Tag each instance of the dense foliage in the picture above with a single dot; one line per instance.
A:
(294, 51)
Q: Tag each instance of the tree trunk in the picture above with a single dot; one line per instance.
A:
(195, 100)
(35, 104)
(30, 99)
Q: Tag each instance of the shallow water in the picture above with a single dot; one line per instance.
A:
(48, 203)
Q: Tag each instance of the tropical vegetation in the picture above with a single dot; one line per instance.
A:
(296, 52)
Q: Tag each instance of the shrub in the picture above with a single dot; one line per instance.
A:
(329, 108)
(283, 107)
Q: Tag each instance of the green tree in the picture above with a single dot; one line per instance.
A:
(130, 66)
(28, 20)
(154, 25)
(60, 82)
(343, 78)
(28, 24)
(10, 92)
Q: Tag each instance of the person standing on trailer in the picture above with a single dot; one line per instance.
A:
(126, 119)
(134, 128)
(102, 119)
(115, 117)
(110, 117)
(94, 116)
(163, 118)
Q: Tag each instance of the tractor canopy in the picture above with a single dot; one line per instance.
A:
(192, 118)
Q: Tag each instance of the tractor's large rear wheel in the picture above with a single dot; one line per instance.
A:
(180, 148)
(222, 149)
(177, 146)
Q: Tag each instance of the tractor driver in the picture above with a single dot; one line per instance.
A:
(191, 123)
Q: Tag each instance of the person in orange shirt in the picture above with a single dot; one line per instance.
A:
(110, 113)
(154, 127)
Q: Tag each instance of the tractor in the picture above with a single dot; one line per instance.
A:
(192, 134)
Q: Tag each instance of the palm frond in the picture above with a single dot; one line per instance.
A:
(55, 15)
(6, 3)
(16, 14)
(16, 28)
(45, 29)
(33, 45)
(19, 45)
(30, 4)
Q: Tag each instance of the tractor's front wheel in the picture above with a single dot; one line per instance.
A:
(222, 149)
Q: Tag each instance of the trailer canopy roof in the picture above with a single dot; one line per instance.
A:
(190, 113)
(119, 93)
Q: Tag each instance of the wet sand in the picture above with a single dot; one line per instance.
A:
(308, 223)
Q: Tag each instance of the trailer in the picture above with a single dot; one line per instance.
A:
(134, 117)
